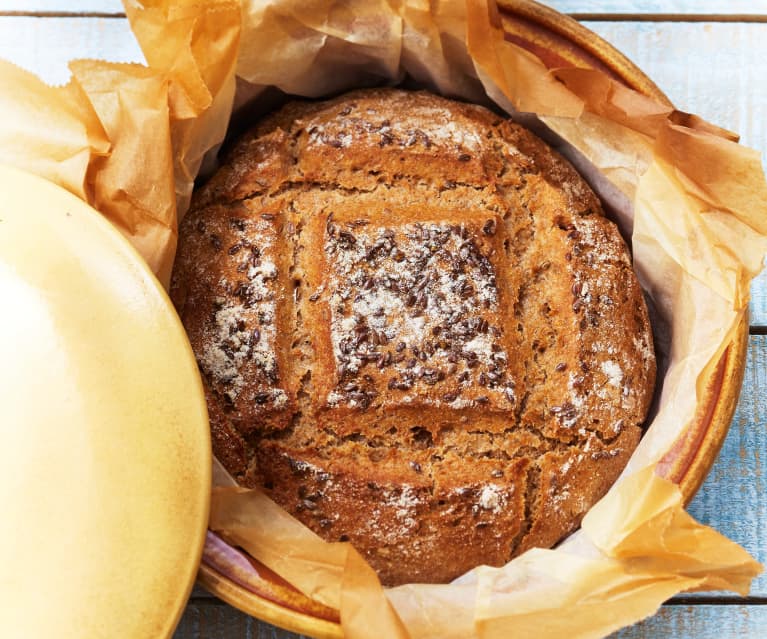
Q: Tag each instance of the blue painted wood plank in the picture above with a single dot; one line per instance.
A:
(759, 301)
(701, 622)
(733, 499)
(714, 70)
(630, 7)
(207, 620)
(660, 7)
(45, 45)
(81, 6)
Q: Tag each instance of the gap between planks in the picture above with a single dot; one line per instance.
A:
(62, 14)
(602, 17)
(682, 600)
(687, 600)
(670, 17)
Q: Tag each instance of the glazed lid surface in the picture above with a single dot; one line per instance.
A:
(105, 450)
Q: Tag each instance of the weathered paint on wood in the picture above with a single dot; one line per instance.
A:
(714, 70)
(701, 622)
(717, 71)
(631, 7)
(45, 45)
(660, 7)
(208, 619)
(48, 6)
(759, 302)
(733, 499)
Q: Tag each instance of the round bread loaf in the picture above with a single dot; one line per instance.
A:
(417, 330)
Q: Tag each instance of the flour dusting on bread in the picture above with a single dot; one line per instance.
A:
(416, 329)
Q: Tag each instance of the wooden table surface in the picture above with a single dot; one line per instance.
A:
(710, 58)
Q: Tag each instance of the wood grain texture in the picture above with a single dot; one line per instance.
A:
(701, 622)
(81, 6)
(759, 303)
(733, 499)
(714, 70)
(660, 7)
(208, 620)
(631, 7)
(717, 71)
(45, 45)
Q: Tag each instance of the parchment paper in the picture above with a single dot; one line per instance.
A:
(131, 139)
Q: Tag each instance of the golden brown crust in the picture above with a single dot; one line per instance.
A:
(418, 330)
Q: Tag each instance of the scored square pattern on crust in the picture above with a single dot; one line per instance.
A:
(412, 312)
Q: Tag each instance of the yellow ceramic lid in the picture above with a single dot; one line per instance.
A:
(104, 443)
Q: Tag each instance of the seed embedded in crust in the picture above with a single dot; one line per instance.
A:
(308, 504)
(386, 139)
(430, 345)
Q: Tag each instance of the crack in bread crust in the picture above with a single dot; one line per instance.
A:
(417, 330)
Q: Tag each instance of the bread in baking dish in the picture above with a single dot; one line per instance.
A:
(416, 328)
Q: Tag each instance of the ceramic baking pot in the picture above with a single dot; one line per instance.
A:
(559, 41)
(105, 455)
